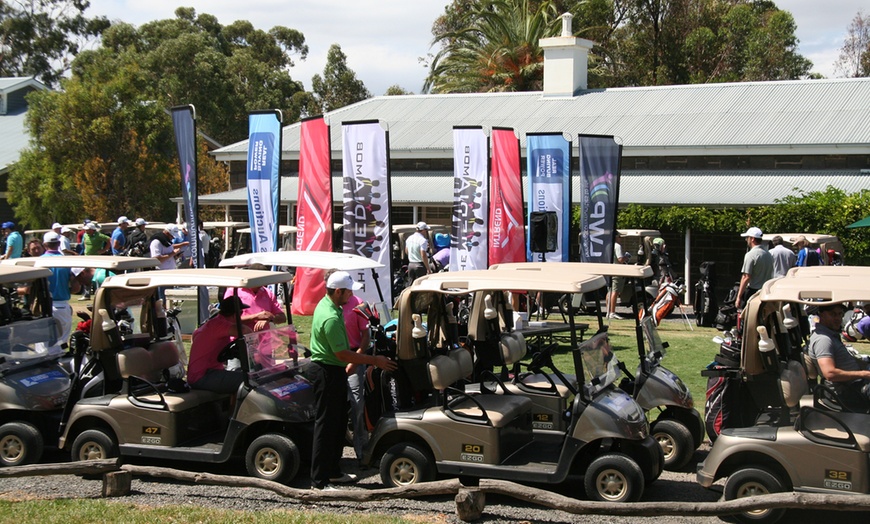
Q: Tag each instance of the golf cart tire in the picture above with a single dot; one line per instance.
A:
(406, 465)
(20, 444)
(676, 442)
(93, 444)
(273, 457)
(614, 477)
(748, 482)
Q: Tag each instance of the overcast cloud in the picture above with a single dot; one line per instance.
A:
(384, 39)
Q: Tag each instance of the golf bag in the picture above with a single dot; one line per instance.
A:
(664, 303)
(850, 330)
(726, 318)
(705, 305)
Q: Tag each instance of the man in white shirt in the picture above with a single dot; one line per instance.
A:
(783, 257)
(417, 247)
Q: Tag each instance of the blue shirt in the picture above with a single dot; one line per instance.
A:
(14, 245)
(119, 235)
(58, 282)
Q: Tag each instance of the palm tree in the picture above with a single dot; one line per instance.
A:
(495, 49)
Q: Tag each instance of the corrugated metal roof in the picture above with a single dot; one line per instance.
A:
(13, 138)
(684, 187)
(749, 117)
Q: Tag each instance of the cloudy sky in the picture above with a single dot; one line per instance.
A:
(384, 39)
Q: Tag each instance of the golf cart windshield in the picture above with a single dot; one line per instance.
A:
(654, 345)
(275, 363)
(29, 339)
(599, 364)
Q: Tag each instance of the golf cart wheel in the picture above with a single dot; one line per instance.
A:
(676, 442)
(94, 444)
(751, 482)
(614, 477)
(272, 457)
(405, 465)
(20, 444)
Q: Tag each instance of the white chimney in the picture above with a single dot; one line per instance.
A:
(565, 61)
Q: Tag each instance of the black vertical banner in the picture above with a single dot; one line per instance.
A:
(600, 164)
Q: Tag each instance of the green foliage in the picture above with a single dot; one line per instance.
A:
(491, 45)
(699, 219)
(39, 37)
(339, 86)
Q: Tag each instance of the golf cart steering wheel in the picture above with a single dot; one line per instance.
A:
(231, 350)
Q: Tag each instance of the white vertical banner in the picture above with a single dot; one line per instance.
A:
(469, 232)
(367, 223)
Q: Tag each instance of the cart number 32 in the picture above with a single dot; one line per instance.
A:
(836, 479)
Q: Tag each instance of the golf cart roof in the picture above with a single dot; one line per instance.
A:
(410, 228)
(282, 230)
(815, 271)
(791, 238)
(639, 233)
(461, 282)
(234, 225)
(160, 226)
(312, 259)
(816, 286)
(198, 277)
(577, 268)
(112, 263)
(10, 273)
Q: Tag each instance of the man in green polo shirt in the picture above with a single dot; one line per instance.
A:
(330, 353)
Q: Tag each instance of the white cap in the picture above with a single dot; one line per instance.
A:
(342, 280)
(56, 226)
(173, 229)
(141, 222)
(124, 220)
(91, 226)
(422, 226)
(51, 236)
(65, 229)
(753, 232)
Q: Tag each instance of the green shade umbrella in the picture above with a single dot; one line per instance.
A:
(864, 222)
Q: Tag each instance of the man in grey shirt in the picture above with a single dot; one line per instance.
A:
(757, 266)
(835, 362)
(783, 257)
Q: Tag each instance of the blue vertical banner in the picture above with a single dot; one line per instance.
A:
(470, 228)
(184, 123)
(264, 178)
(600, 164)
(548, 160)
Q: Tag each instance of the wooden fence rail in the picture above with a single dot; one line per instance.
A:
(470, 501)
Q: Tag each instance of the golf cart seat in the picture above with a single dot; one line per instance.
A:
(145, 367)
(850, 429)
(794, 385)
(497, 410)
(843, 397)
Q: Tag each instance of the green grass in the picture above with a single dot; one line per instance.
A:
(85, 511)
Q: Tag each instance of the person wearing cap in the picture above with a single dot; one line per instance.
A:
(417, 248)
(14, 241)
(836, 364)
(119, 236)
(806, 255)
(616, 283)
(96, 243)
(783, 257)
(330, 353)
(62, 283)
(162, 248)
(182, 240)
(205, 371)
(262, 307)
(757, 267)
(137, 240)
(442, 255)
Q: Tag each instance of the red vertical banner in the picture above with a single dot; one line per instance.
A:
(313, 211)
(506, 231)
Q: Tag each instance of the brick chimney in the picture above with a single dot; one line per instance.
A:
(565, 61)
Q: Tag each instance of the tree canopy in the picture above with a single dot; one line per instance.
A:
(39, 38)
(339, 86)
(854, 59)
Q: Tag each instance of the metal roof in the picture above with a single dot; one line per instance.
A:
(787, 117)
(683, 187)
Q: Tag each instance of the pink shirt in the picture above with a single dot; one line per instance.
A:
(354, 321)
(262, 300)
(206, 343)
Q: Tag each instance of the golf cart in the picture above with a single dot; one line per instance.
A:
(145, 411)
(678, 427)
(439, 428)
(33, 381)
(808, 447)
(830, 247)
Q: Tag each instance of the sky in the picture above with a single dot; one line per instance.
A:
(385, 39)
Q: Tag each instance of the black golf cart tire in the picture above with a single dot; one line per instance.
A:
(614, 471)
(93, 444)
(406, 465)
(747, 482)
(20, 444)
(676, 441)
(273, 457)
